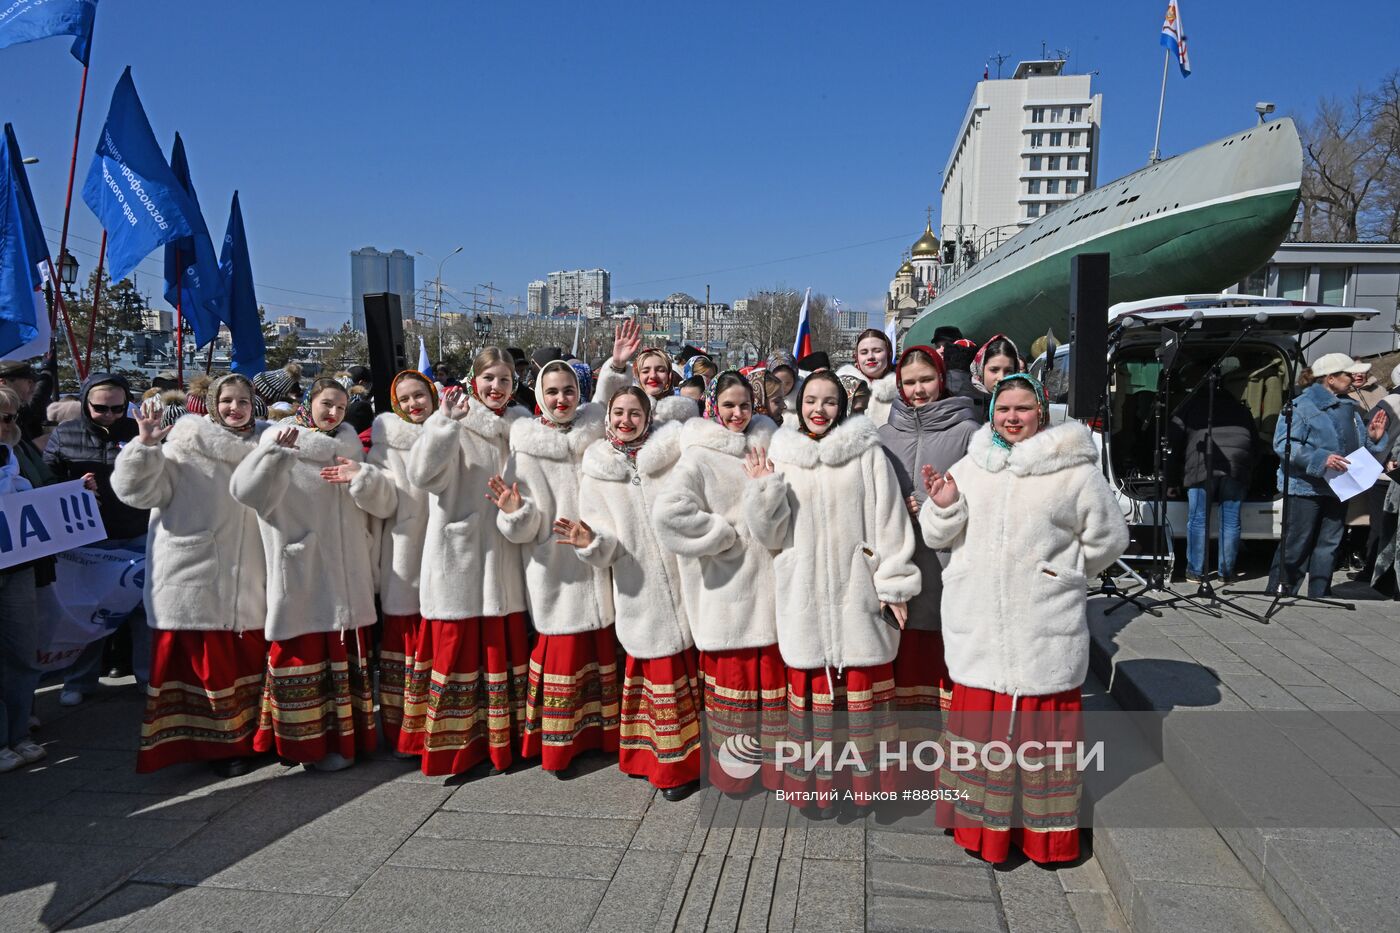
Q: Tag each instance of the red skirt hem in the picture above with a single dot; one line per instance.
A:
(660, 720)
(745, 716)
(573, 699)
(860, 709)
(318, 698)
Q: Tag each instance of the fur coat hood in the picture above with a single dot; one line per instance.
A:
(1031, 526)
(389, 430)
(531, 436)
(702, 433)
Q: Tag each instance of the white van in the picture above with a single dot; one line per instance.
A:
(1262, 337)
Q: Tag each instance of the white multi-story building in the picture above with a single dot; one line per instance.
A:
(1027, 144)
(537, 298)
(587, 289)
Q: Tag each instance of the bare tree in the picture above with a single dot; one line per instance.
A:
(1351, 165)
(770, 323)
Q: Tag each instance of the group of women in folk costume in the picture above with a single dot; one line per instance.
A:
(633, 575)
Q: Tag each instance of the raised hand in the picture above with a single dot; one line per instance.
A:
(343, 472)
(506, 498)
(148, 425)
(757, 464)
(574, 534)
(455, 402)
(90, 482)
(627, 340)
(287, 438)
(941, 487)
(1379, 420)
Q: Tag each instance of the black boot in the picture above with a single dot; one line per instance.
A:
(675, 794)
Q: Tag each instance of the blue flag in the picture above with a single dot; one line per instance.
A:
(130, 187)
(193, 283)
(27, 20)
(24, 320)
(241, 307)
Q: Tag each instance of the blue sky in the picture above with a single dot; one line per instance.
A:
(743, 145)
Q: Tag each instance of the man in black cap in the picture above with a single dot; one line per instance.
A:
(524, 395)
(943, 336)
(814, 362)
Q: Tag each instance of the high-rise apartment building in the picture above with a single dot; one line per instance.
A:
(537, 298)
(1026, 145)
(586, 289)
(373, 271)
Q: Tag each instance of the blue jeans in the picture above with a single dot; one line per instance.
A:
(1315, 527)
(1228, 497)
(83, 675)
(19, 645)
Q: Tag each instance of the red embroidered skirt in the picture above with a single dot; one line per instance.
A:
(396, 640)
(660, 737)
(1036, 811)
(203, 699)
(920, 675)
(745, 716)
(464, 699)
(858, 708)
(318, 698)
(572, 701)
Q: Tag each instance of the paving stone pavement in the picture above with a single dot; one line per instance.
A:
(87, 844)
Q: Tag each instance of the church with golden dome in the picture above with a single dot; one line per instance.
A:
(916, 282)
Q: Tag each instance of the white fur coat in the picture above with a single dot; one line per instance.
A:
(1030, 527)
(399, 538)
(320, 572)
(883, 392)
(566, 596)
(699, 516)
(833, 514)
(646, 578)
(469, 569)
(664, 410)
(204, 554)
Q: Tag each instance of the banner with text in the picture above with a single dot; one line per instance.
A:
(97, 588)
(46, 521)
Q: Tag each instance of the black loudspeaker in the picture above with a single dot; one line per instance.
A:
(384, 331)
(1088, 333)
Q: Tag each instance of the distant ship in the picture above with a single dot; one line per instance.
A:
(1198, 222)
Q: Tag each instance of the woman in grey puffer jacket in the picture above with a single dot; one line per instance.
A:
(926, 427)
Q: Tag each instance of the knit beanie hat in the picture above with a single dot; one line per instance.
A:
(194, 401)
(274, 385)
(174, 402)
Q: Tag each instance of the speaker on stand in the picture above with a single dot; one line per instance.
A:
(384, 333)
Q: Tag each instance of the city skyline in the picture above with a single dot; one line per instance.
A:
(776, 170)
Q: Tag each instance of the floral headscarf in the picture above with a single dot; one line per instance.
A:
(981, 356)
(1021, 381)
(757, 383)
(780, 358)
(546, 415)
(843, 403)
(855, 386)
(630, 448)
(303, 412)
(394, 392)
(688, 370)
(712, 393)
(211, 401)
(938, 364)
(584, 372)
(646, 352)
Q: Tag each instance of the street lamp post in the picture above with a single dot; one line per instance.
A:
(438, 282)
(67, 276)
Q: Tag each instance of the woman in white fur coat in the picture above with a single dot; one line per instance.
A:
(825, 499)
(571, 700)
(727, 580)
(318, 702)
(206, 583)
(399, 540)
(874, 365)
(1029, 519)
(464, 699)
(651, 369)
(660, 709)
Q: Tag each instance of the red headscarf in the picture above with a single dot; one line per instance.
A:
(938, 364)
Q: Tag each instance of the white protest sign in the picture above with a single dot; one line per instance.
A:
(47, 520)
(96, 590)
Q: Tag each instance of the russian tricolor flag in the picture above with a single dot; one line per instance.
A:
(802, 345)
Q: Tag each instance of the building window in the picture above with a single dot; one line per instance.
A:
(1332, 285)
(1055, 138)
(1033, 186)
(1257, 283)
(1072, 186)
(1074, 114)
(1072, 163)
(1055, 115)
(1035, 162)
(1293, 282)
(1038, 115)
(1052, 186)
(1032, 210)
(1074, 138)
(1054, 163)
(1037, 140)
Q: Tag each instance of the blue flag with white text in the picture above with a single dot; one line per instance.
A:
(241, 304)
(192, 280)
(27, 20)
(131, 188)
(24, 319)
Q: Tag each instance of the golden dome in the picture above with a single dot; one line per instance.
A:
(907, 268)
(927, 245)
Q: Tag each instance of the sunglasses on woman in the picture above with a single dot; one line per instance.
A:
(106, 409)
(8, 417)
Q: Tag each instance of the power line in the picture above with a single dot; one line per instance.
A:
(769, 262)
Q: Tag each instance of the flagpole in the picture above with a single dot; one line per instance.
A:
(96, 296)
(59, 303)
(1156, 155)
(180, 321)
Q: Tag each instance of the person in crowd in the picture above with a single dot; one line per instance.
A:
(524, 396)
(623, 474)
(572, 698)
(277, 386)
(68, 408)
(927, 428)
(1326, 427)
(767, 394)
(1028, 518)
(19, 613)
(1225, 467)
(168, 405)
(196, 398)
(693, 389)
(874, 366)
(86, 448)
(359, 414)
(206, 581)
(1361, 540)
(651, 368)
(166, 381)
(838, 572)
(814, 362)
(313, 496)
(783, 364)
(957, 362)
(1385, 576)
(399, 540)
(858, 391)
(34, 391)
(727, 576)
(996, 358)
(945, 336)
(464, 700)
